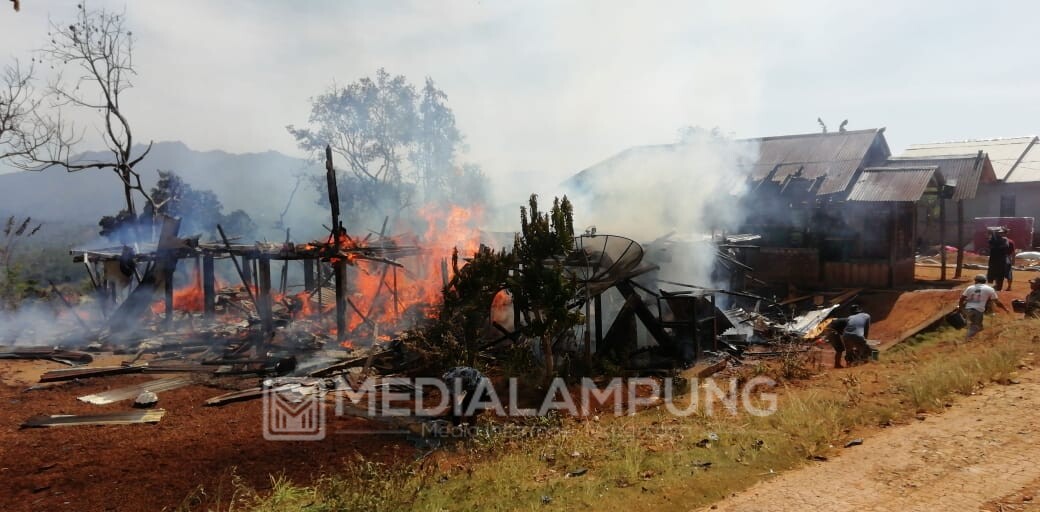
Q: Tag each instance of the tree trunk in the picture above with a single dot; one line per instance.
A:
(128, 192)
(550, 367)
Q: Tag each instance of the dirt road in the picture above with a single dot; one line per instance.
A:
(979, 455)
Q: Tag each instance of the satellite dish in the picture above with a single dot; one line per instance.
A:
(599, 261)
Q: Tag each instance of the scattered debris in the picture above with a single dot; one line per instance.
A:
(69, 357)
(112, 418)
(126, 393)
(146, 400)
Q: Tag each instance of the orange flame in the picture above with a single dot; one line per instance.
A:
(187, 298)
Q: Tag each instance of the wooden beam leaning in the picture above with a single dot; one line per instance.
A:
(241, 273)
(339, 264)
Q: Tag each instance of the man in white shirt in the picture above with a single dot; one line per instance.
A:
(975, 301)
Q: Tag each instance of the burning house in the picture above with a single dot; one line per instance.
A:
(842, 212)
(833, 209)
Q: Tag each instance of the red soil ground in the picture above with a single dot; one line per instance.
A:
(151, 467)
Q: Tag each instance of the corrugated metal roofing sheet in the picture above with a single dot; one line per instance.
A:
(967, 171)
(836, 156)
(1028, 168)
(1004, 154)
(892, 184)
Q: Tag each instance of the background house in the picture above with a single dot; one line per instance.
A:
(1014, 190)
(829, 214)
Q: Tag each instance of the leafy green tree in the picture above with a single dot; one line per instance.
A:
(540, 287)
(199, 210)
(395, 146)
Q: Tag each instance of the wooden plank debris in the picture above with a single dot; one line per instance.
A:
(83, 373)
(53, 354)
(128, 392)
(111, 418)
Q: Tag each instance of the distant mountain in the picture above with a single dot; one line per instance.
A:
(259, 183)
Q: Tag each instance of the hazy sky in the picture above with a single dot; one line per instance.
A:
(552, 87)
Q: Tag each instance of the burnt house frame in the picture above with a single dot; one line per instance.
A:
(833, 211)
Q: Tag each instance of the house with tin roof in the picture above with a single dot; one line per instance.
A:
(1012, 191)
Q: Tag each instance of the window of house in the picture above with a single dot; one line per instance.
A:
(1007, 206)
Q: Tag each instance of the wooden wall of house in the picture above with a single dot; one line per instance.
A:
(867, 244)
(798, 266)
(869, 274)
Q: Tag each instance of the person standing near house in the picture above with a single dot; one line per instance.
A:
(997, 269)
(1010, 257)
(975, 300)
(1033, 299)
(857, 328)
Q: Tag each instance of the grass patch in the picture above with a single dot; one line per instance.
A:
(654, 459)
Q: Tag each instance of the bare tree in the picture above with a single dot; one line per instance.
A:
(22, 131)
(94, 59)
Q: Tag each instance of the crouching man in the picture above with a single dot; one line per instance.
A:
(857, 328)
(974, 303)
(1033, 299)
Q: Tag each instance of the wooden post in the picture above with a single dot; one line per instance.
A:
(264, 295)
(208, 289)
(308, 274)
(321, 301)
(397, 300)
(339, 266)
(942, 234)
(960, 239)
(247, 269)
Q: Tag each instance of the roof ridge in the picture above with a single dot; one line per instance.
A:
(814, 134)
(907, 168)
(994, 139)
(938, 157)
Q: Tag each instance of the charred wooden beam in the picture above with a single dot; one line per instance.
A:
(621, 331)
(308, 274)
(54, 288)
(264, 305)
(646, 316)
(247, 270)
(209, 294)
(241, 269)
(339, 264)
(129, 314)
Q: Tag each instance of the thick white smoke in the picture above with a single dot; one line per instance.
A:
(681, 191)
